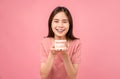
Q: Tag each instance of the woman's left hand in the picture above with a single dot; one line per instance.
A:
(64, 52)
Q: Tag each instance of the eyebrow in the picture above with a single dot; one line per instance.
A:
(62, 19)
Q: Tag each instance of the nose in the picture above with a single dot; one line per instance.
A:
(60, 25)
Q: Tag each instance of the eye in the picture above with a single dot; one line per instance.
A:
(64, 21)
(56, 21)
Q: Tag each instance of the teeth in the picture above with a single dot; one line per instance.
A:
(60, 30)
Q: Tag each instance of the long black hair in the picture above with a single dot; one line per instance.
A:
(58, 9)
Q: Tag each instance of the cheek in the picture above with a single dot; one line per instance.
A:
(67, 27)
(52, 28)
(53, 25)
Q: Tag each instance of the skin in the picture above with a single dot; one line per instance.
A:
(60, 27)
(60, 22)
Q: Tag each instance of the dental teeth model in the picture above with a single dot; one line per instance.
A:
(60, 44)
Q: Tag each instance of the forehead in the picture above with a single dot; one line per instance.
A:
(60, 15)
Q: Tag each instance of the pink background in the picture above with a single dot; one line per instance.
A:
(23, 23)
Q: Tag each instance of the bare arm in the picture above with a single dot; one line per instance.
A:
(71, 69)
(46, 67)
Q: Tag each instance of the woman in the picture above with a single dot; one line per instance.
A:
(63, 63)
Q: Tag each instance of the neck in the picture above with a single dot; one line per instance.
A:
(60, 38)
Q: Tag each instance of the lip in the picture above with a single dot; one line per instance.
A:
(60, 30)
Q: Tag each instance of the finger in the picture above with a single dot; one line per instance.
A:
(66, 45)
(51, 48)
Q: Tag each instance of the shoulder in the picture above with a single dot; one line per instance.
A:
(45, 40)
(76, 41)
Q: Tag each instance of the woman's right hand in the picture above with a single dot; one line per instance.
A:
(53, 51)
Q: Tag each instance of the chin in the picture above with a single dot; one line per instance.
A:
(60, 35)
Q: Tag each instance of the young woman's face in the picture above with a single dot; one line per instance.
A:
(60, 25)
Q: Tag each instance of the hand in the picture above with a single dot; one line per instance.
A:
(65, 50)
(53, 51)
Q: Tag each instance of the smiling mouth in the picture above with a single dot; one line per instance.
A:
(60, 30)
